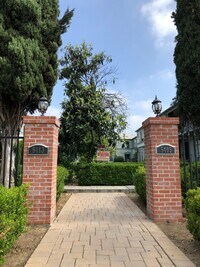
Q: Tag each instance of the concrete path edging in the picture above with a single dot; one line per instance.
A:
(99, 189)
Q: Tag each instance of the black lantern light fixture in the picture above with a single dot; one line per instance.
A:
(156, 106)
(43, 105)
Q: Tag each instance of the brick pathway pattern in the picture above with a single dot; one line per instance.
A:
(105, 230)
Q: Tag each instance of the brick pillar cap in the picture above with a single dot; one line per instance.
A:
(161, 120)
(41, 120)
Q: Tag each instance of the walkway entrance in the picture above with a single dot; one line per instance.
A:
(105, 229)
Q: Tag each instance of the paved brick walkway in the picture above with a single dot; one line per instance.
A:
(105, 230)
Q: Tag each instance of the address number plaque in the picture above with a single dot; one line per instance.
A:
(165, 149)
(38, 149)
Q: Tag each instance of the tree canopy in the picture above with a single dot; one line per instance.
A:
(30, 35)
(187, 59)
(91, 115)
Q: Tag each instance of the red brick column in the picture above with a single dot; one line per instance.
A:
(162, 170)
(41, 170)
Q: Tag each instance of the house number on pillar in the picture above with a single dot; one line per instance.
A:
(165, 149)
(38, 150)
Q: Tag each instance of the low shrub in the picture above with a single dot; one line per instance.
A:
(140, 182)
(13, 216)
(62, 179)
(192, 204)
(104, 173)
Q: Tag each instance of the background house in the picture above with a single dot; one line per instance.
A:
(189, 136)
(140, 144)
(127, 149)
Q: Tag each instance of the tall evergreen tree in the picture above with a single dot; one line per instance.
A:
(30, 35)
(187, 59)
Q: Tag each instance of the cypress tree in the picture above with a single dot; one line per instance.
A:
(30, 35)
(187, 59)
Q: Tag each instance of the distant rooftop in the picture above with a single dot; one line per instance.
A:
(128, 136)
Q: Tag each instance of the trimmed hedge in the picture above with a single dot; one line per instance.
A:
(104, 173)
(62, 179)
(140, 182)
(192, 204)
(13, 216)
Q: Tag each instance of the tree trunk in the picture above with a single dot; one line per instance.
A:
(7, 160)
(10, 122)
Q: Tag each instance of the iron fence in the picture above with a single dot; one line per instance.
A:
(190, 157)
(11, 153)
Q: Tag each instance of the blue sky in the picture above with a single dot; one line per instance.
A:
(139, 36)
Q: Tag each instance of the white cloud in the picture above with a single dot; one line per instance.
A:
(142, 110)
(143, 106)
(163, 75)
(134, 123)
(158, 13)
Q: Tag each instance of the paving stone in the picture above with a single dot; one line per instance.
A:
(120, 251)
(183, 263)
(134, 256)
(83, 263)
(151, 262)
(99, 265)
(56, 258)
(117, 264)
(106, 252)
(38, 261)
(35, 265)
(134, 264)
(103, 259)
(165, 262)
(67, 262)
(117, 258)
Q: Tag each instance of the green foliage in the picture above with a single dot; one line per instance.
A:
(195, 174)
(30, 35)
(13, 216)
(119, 159)
(18, 163)
(140, 182)
(90, 114)
(104, 173)
(187, 59)
(185, 179)
(193, 212)
(62, 179)
(188, 182)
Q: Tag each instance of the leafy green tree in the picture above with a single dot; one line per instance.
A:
(90, 115)
(187, 59)
(30, 35)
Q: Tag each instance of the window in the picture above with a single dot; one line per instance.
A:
(126, 145)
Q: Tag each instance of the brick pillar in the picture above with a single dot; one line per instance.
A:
(40, 166)
(163, 183)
